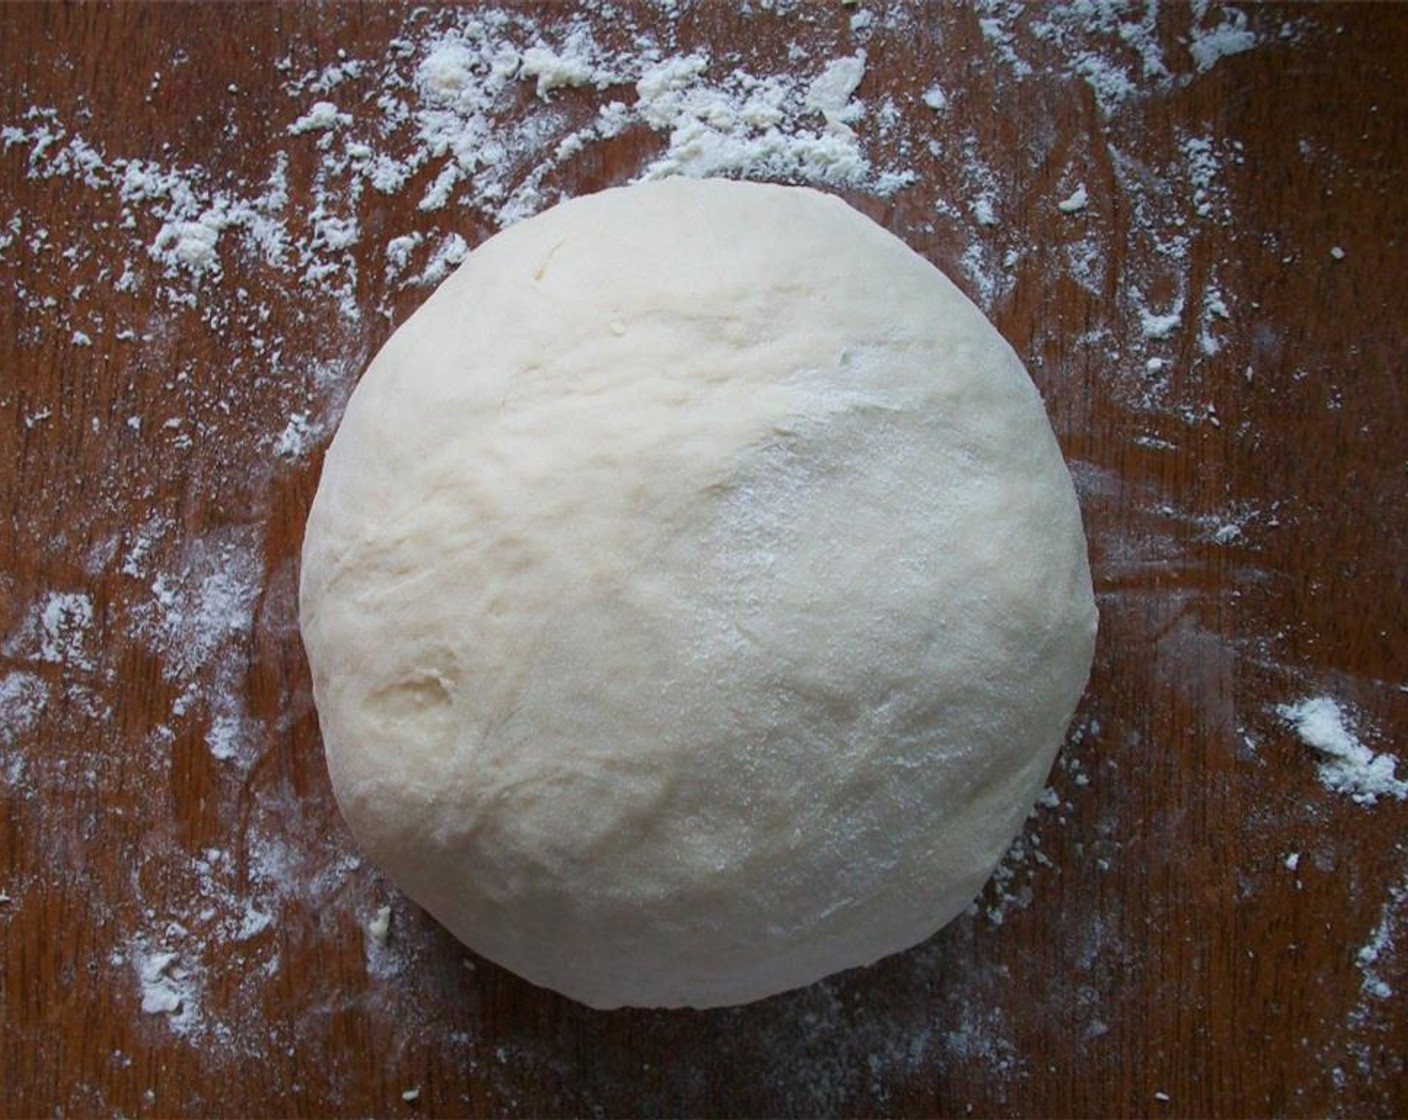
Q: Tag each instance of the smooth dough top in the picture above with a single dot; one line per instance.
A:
(695, 596)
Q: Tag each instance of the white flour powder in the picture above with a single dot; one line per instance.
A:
(1347, 765)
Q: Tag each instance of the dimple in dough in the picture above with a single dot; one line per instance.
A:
(695, 597)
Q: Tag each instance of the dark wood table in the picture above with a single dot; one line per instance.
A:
(199, 260)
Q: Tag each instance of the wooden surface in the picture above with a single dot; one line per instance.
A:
(1148, 950)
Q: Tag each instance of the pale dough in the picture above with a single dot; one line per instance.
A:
(695, 596)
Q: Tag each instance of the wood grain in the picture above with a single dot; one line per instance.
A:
(1159, 958)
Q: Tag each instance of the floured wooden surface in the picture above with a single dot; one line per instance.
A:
(1187, 221)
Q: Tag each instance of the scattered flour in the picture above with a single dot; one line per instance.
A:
(296, 438)
(1156, 326)
(830, 92)
(169, 986)
(936, 99)
(320, 117)
(756, 126)
(1209, 45)
(23, 697)
(444, 103)
(231, 736)
(197, 612)
(56, 631)
(1074, 202)
(64, 622)
(984, 213)
(451, 251)
(379, 928)
(1381, 965)
(1376, 950)
(476, 119)
(1114, 48)
(1347, 765)
(577, 63)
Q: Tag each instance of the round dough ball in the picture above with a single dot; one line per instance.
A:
(695, 596)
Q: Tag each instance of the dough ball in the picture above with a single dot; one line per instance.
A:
(695, 596)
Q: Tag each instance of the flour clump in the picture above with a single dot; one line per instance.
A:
(695, 596)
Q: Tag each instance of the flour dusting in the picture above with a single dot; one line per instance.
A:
(246, 296)
(23, 697)
(57, 631)
(169, 987)
(1347, 766)
(1374, 954)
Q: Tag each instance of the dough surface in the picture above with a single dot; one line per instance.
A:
(695, 597)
